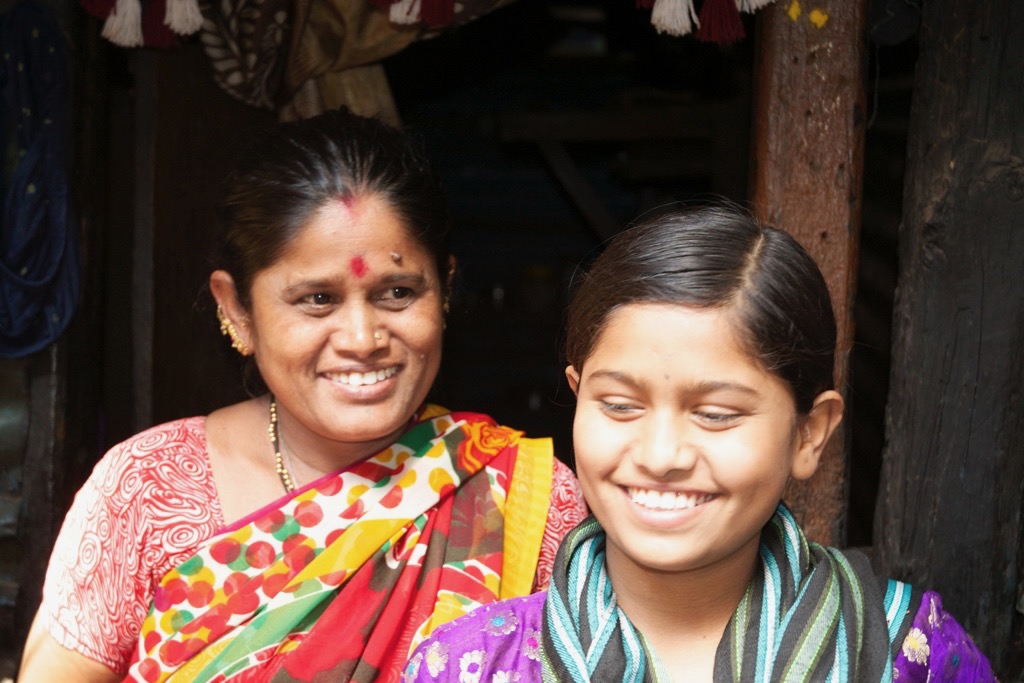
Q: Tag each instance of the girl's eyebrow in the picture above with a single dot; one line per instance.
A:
(615, 375)
(700, 388)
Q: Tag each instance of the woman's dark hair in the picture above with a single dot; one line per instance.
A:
(716, 257)
(291, 170)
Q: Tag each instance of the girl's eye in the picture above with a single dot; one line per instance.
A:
(619, 409)
(717, 419)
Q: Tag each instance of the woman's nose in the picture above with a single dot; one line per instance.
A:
(666, 446)
(358, 331)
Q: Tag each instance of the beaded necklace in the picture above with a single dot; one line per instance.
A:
(275, 440)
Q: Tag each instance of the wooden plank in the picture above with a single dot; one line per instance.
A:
(808, 158)
(10, 506)
(192, 368)
(949, 510)
(663, 122)
(42, 513)
(599, 217)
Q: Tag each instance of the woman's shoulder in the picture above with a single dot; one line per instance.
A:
(169, 454)
(187, 434)
(937, 647)
(147, 504)
(492, 642)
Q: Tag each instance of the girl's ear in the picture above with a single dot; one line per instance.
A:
(825, 415)
(233, 317)
(574, 379)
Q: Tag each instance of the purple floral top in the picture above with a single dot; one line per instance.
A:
(500, 643)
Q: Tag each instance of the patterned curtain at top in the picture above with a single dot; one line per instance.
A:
(40, 254)
(302, 57)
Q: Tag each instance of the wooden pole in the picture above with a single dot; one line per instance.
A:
(808, 160)
(950, 500)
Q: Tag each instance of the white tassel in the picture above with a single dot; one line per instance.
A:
(405, 12)
(675, 17)
(751, 6)
(183, 16)
(124, 25)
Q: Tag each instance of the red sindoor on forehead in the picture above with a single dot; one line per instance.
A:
(358, 266)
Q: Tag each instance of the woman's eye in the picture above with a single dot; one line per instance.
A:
(397, 297)
(317, 299)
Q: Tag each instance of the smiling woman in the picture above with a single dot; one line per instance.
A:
(323, 528)
(700, 348)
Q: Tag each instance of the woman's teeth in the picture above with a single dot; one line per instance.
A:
(666, 500)
(361, 379)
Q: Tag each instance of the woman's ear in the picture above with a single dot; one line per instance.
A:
(825, 415)
(574, 379)
(234, 319)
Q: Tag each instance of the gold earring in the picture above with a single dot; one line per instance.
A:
(227, 328)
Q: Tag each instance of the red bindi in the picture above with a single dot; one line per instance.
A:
(358, 266)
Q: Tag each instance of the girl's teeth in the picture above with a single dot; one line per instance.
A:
(665, 500)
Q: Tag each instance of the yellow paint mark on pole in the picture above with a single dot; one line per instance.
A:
(794, 10)
(818, 17)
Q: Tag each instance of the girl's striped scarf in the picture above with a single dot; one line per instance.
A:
(810, 613)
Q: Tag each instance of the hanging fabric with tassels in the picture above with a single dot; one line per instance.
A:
(157, 23)
(40, 245)
(718, 21)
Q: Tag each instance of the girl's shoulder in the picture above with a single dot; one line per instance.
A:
(497, 642)
(938, 648)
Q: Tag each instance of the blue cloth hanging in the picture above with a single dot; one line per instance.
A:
(40, 252)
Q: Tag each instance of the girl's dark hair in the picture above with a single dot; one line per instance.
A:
(291, 170)
(714, 257)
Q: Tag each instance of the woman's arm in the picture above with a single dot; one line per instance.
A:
(45, 660)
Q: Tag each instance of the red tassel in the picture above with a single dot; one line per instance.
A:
(436, 13)
(720, 22)
(100, 9)
(644, 4)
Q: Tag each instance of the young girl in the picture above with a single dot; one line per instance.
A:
(701, 348)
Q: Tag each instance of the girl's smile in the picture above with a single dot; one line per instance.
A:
(684, 449)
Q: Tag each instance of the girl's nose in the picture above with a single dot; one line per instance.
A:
(666, 446)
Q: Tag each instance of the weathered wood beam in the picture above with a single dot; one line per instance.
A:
(950, 500)
(808, 160)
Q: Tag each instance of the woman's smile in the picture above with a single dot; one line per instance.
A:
(362, 379)
(346, 336)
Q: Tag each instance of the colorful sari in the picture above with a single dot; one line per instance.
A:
(342, 578)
